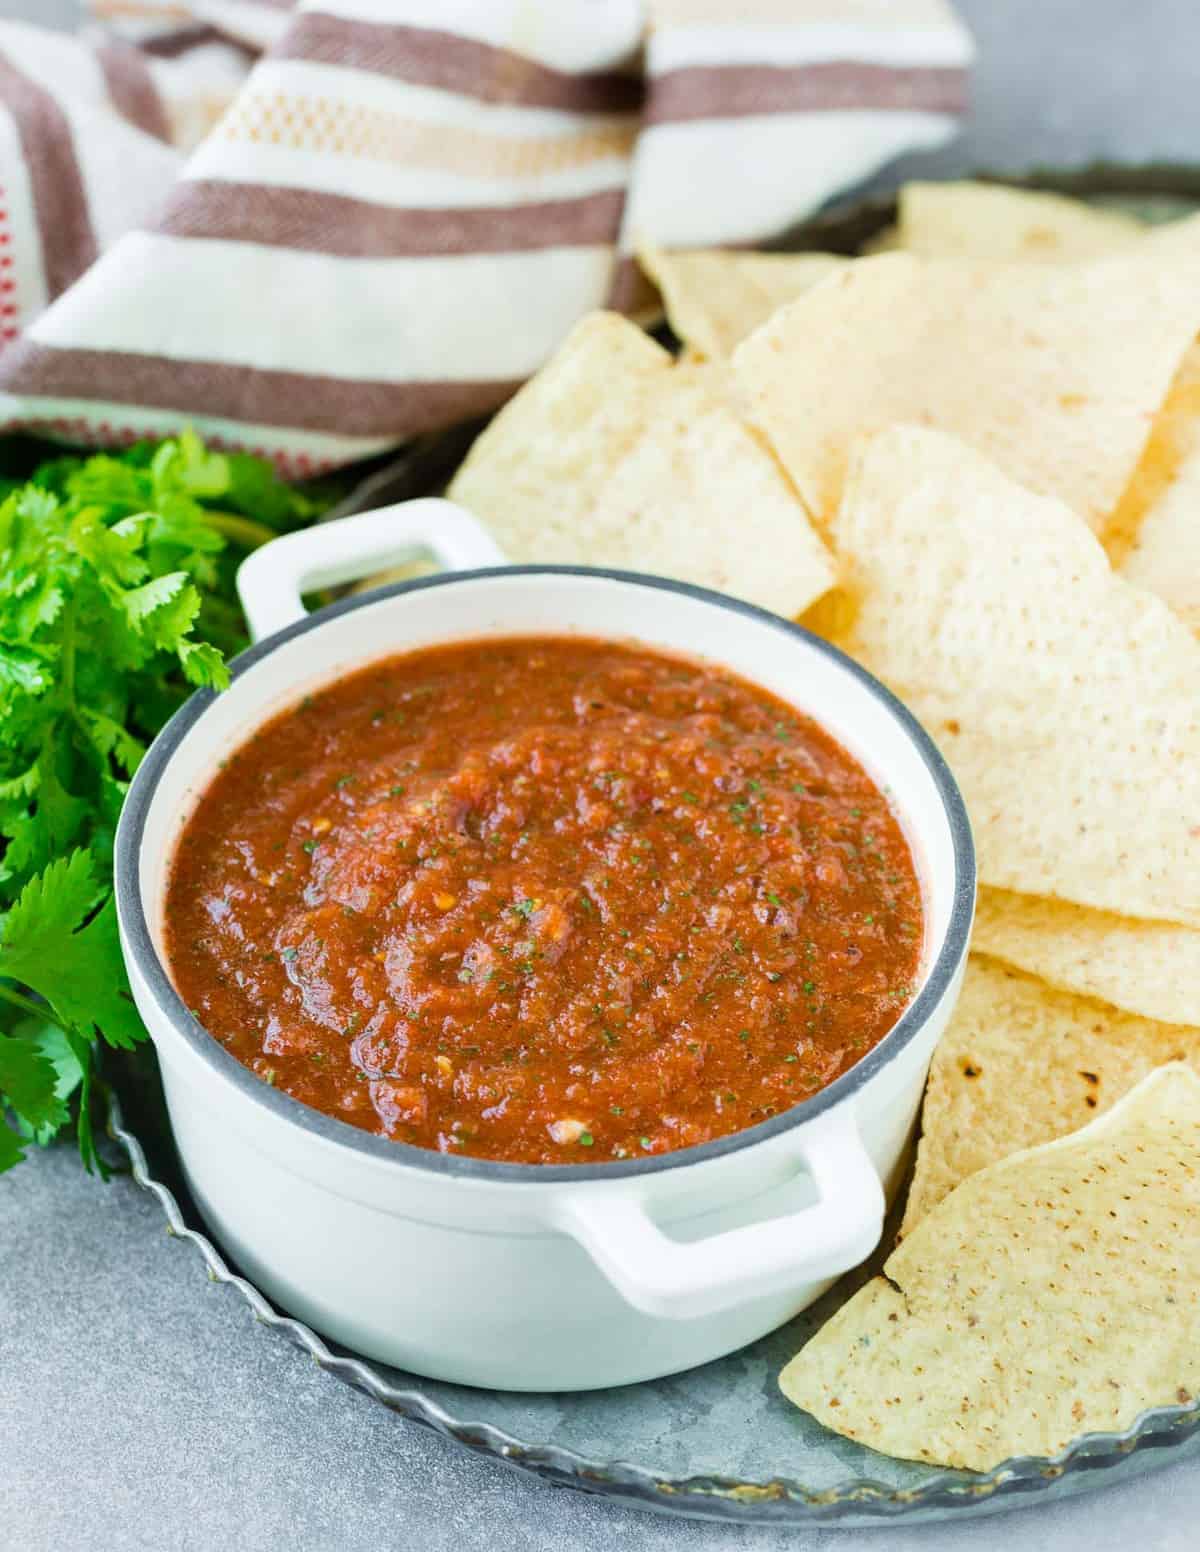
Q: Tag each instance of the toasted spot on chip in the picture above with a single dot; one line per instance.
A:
(1020, 1064)
(1153, 538)
(613, 455)
(1164, 557)
(714, 298)
(1076, 696)
(1054, 371)
(1151, 968)
(1053, 1293)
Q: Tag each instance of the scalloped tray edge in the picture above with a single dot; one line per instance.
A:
(780, 1500)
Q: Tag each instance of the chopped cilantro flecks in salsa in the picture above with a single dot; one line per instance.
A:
(571, 900)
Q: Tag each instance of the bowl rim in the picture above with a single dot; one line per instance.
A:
(139, 947)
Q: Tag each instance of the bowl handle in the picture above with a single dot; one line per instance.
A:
(271, 582)
(667, 1277)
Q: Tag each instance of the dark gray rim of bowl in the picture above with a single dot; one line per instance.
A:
(227, 1067)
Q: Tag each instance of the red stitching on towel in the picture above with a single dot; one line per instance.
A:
(8, 285)
(89, 433)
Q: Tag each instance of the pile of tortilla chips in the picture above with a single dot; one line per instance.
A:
(1054, 1293)
(973, 460)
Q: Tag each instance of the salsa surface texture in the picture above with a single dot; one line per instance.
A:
(547, 900)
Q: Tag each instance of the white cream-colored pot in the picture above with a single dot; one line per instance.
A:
(515, 1276)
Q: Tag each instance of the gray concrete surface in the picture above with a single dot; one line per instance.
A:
(140, 1407)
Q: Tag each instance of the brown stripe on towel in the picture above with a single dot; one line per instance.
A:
(341, 406)
(424, 56)
(131, 88)
(741, 91)
(59, 198)
(359, 228)
(181, 40)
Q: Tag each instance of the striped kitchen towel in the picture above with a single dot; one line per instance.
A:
(316, 231)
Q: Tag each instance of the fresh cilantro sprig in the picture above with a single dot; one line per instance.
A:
(116, 599)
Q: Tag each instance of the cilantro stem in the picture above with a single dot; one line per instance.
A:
(242, 530)
(67, 656)
(38, 1010)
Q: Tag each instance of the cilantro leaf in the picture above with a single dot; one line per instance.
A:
(38, 833)
(142, 601)
(110, 738)
(203, 665)
(55, 1046)
(117, 598)
(22, 670)
(38, 1074)
(23, 785)
(49, 908)
(44, 944)
(12, 1147)
(30, 1082)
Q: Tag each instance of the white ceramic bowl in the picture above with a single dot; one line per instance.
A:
(526, 1276)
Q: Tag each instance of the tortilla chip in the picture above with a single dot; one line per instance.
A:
(1056, 1293)
(614, 456)
(1154, 536)
(1066, 701)
(1020, 1064)
(405, 571)
(715, 298)
(1053, 371)
(988, 221)
(1173, 239)
(1151, 968)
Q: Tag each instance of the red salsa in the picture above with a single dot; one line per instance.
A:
(545, 900)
